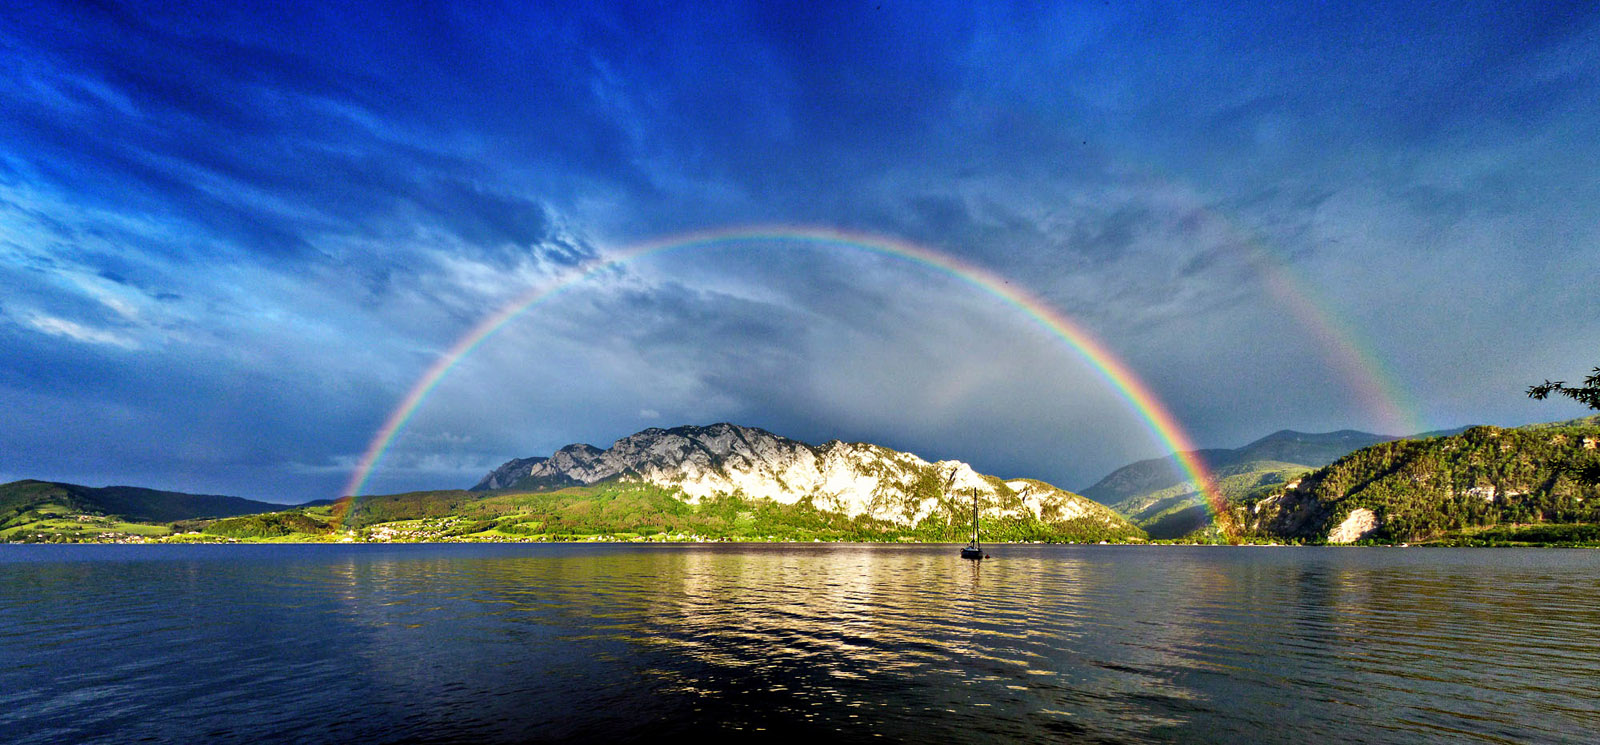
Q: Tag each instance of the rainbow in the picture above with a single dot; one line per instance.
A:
(1152, 413)
(1359, 366)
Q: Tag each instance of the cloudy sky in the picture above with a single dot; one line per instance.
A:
(232, 238)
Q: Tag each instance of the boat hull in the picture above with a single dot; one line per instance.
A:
(971, 553)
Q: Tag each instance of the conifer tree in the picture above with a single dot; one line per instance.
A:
(1587, 394)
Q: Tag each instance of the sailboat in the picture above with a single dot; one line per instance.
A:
(973, 550)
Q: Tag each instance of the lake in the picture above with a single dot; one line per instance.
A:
(513, 643)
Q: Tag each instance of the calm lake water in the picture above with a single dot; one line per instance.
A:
(508, 643)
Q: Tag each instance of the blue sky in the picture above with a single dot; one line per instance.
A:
(231, 238)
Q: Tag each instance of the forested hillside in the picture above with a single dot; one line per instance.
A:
(1437, 488)
(1158, 495)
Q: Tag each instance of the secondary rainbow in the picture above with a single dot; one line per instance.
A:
(1356, 358)
(1152, 413)
(1359, 365)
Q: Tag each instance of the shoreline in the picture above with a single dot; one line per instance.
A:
(223, 541)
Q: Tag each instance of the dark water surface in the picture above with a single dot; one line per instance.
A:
(502, 643)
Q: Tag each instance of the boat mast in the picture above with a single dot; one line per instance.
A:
(974, 518)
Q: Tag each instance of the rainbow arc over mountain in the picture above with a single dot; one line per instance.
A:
(1152, 413)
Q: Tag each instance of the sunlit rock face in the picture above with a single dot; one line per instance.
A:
(851, 477)
(513, 471)
(1358, 525)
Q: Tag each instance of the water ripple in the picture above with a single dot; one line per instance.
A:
(520, 643)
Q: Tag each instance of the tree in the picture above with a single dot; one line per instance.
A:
(1587, 394)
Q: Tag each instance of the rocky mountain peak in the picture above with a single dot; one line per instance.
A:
(854, 478)
(513, 471)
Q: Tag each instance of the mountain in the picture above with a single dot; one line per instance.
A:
(1158, 496)
(1144, 477)
(854, 479)
(1289, 446)
(518, 471)
(1423, 489)
(1588, 421)
(85, 508)
(1285, 446)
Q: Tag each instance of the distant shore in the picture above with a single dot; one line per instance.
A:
(201, 539)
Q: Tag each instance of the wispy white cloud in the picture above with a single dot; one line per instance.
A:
(79, 332)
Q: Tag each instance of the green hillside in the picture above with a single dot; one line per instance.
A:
(627, 510)
(1178, 511)
(613, 510)
(294, 523)
(1486, 484)
(1144, 478)
(1588, 421)
(49, 509)
(1158, 496)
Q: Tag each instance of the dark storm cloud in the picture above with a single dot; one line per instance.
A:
(281, 214)
(731, 347)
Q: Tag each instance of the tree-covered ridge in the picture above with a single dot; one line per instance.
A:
(1430, 488)
(1587, 421)
(129, 502)
(1140, 479)
(1159, 496)
(270, 525)
(1180, 510)
(30, 509)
